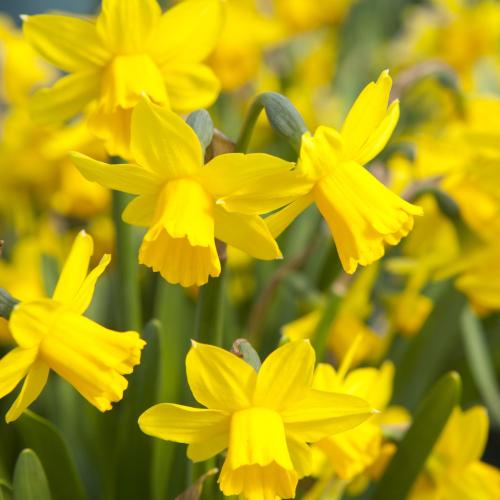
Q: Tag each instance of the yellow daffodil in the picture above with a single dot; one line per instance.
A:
(22, 68)
(454, 469)
(130, 49)
(182, 202)
(477, 275)
(302, 15)
(352, 452)
(264, 419)
(22, 276)
(460, 33)
(240, 49)
(422, 258)
(363, 215)
(51, 333)
(43, 171)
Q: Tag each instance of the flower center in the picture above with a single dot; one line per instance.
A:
(127, 78)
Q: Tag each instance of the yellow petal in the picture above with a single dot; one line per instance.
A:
(210, 446)
(33, 385)
(75, 269)
(140, 211)
(249, 233)
(192, 29)
(180, 242)
(83, 297)
(29, 321)
(380, 136)
(218, 379)
(301, 456)
(184, 424)
(362, 214)
(464, 438)
(178, 261)
(126, 25)
(91, 358)
(279, 221)
(302, 328)
(325, 378)
(351, 452)
(257, 443)
(184, 210)
(254, 482)
(127, 78)
(365, 116)
(253, 183)
(191, 87)
(164, 142)
(478, 481)
(128, 178)
(257, 437)
(67, 98)
(321, 414)
(113, 128)
(70, 43)
(14, 366)
(285, 376)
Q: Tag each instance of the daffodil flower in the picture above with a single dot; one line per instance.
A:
(264, 419)
(454, 469)
(182, 202)
(362, 214)
(350, 453)
(51, 333)
(130, 49)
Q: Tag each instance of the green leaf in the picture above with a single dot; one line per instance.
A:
(480, 363)
(210, 310)
(46, 441)
(5, 490)
(134, 448)
(420, 439)
(176, 313)
(428, 352)
(30, 482)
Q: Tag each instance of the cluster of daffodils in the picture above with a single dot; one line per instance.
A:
(309, 248)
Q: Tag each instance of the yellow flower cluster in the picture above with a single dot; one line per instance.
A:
(123, 133)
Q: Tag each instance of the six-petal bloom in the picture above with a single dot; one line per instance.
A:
(265, 420)
(130, 49)
(51, 333)
(363, 215)
(182, 201)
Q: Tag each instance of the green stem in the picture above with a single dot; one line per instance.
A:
(128, 269)
(210, 309)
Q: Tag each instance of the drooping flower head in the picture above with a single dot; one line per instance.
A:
(363, 215)
(52, 334)
(130, 49)
(182, 202)
(264, 419)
